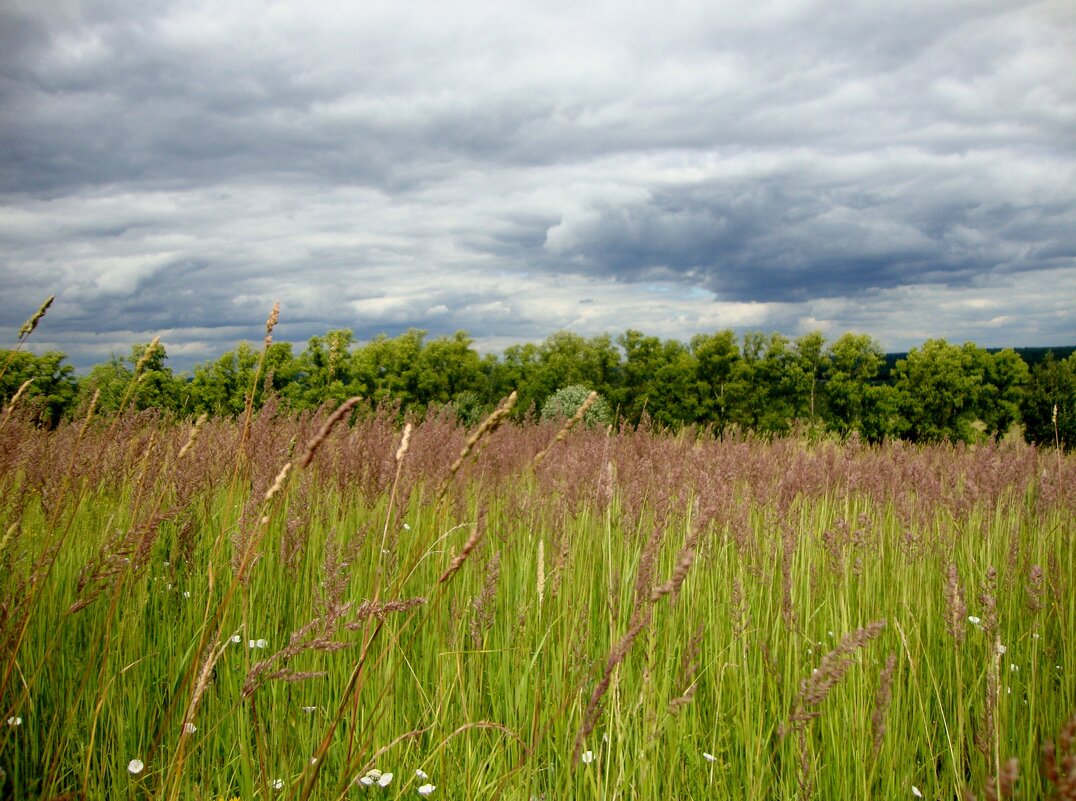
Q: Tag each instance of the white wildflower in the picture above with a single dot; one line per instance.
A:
(975, 621)
(426, 790)
(135, 766)
(421, 774)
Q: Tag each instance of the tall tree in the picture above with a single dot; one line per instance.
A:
(940, 390)
(1049, 405)
(52, 389)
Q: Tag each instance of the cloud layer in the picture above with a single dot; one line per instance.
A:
(908, 170)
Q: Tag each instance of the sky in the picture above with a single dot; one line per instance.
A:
(174, 167)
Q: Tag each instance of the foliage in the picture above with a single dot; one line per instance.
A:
(1048, 409)
(53, 386)
(565, 402)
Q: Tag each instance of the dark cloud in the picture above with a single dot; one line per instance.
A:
(177, 166)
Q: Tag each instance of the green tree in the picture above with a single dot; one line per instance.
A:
(1050, 396)
(940, 389)
(53, 388)
(716, 361)
(852, 404)
(810, 368)
(1004, 387)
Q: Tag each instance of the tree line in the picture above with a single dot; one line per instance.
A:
(763, 383)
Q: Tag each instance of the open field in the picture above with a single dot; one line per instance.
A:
(638, 616)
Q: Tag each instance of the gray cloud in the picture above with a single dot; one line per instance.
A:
(904, 169)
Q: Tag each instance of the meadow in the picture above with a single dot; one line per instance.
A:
(342, 605)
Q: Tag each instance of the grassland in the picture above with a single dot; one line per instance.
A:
(639, 616)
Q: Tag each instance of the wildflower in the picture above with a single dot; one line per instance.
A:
(189, 728)
(375, 777)
(708, 757)
(426, 790)
(14, 721)
(277, 784)
(588, 757)
(915, 792)
(421, 774)
(975, 621)
(135, 766)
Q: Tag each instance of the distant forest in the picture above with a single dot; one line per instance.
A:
(766, 384)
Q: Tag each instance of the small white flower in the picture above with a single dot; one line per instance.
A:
(14, 721)
(421, 774)
(975, 621)
(915, 792)
(588, 757)
(189, 728)
(135, 766)
(426, 789)
(708, 757)
(277, 784)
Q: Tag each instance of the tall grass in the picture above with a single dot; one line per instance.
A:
(631, 615)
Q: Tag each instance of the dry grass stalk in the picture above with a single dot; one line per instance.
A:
(192, 438)
(815, 689)
(956, 608)
(568, 426)
(405, 443)
(29, 326)
(882, 700)
(382, 609)
(540, 580)
(15, 399)
(485, 428)
(342, 411)
(470, 545)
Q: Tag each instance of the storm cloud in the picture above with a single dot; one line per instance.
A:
(172, 168)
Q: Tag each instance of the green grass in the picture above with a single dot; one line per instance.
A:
(483, 685)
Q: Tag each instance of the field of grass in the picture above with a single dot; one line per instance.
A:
(275, 613)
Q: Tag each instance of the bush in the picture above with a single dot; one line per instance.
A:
(567, 400)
